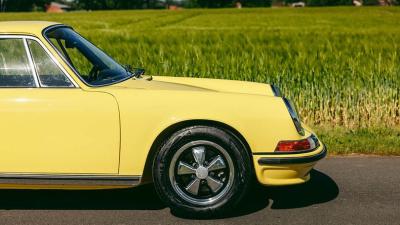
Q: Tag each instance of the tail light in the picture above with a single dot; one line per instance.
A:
(303, 145)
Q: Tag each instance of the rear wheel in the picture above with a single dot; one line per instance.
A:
(202, 170)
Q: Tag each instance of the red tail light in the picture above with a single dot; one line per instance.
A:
(297, 145)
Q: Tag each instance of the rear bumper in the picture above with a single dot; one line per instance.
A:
(293, 160)
(287, 169)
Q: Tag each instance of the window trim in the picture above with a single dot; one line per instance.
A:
(30, 60)
(24, 38)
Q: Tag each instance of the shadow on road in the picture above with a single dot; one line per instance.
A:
(139, 198)
(321, 188)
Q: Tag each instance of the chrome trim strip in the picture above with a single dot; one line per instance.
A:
(28, 54)
(5, 36)
(82, 180)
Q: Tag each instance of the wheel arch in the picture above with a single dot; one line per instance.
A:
(147, 171)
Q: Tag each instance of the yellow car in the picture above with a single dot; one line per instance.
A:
(73, 118)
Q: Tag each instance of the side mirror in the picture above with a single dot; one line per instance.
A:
(139, 71)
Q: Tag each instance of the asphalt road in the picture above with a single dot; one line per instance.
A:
(343, 190)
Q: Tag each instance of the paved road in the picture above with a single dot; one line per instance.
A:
(353, 190)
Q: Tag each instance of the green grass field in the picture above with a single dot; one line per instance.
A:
(341, 66)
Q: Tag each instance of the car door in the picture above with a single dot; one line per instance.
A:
(48, 124)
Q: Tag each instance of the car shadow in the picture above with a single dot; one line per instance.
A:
(139, 198)
(321, 188)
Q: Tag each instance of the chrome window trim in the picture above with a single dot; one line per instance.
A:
(30, 60)
(25, 38)
(294, 115)
(276, 90)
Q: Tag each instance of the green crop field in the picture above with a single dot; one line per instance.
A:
(341, 66)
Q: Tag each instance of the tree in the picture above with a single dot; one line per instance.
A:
(256, 3)
(116, 4)
(229, 3)
(22, 5)
(328, 2)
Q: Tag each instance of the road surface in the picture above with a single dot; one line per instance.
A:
(343, 190)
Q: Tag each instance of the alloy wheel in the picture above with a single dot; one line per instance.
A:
(201, 172)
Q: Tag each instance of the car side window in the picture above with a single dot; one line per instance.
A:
(49, 74)
(15, 70)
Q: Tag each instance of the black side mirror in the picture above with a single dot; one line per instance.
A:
(139, 71)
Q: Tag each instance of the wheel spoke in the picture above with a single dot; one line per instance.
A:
(184, 168)
(214, 184)
(199, 154)
(193, 187)
(216, 164)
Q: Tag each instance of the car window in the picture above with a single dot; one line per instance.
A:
(50, 75)
(15, 70)
(92, 65)
(75, 58)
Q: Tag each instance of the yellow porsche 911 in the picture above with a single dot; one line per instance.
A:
(73, 118)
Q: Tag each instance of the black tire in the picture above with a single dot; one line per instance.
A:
(238, 185)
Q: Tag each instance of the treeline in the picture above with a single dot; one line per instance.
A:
(341, 2)
(228, 3)
(153, 4)
(39, 5)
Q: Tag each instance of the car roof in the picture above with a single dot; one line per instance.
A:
(25, 27)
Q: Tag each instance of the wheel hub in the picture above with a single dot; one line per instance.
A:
(202, 172)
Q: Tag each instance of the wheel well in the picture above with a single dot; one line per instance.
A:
(147, 172)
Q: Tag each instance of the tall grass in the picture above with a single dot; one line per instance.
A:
(341, 66)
